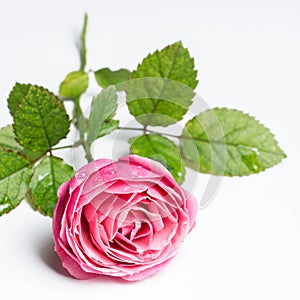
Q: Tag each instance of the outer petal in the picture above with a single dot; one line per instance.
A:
(148, 164)
(147, 272)
(191, 209)
(68, 262)
(59, 209)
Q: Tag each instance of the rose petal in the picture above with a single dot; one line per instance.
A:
(124, 219)
(192, 209)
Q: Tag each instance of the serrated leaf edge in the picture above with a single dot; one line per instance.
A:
(190, 164)
(29, 165)
(57, 100)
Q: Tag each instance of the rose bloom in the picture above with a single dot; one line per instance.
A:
(125, 219)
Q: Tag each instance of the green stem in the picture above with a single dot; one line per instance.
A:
(145, 130)
(81, 124)
(82, 46)
(62, 147)
(79, 120)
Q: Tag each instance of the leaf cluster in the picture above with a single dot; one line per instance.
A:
(28, 168)
(159, 93)
(218, 141)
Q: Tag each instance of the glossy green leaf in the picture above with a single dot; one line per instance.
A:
(161, 149)
(161, 89)
(16, 96)
(106, 77)
(41, 120)
(8, 141)
(48, 175)
(75, 84)
(228, 142)
(103, 109)
(108, 127)
(14, 179)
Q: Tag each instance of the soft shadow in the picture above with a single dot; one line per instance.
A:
(110, 280)
(50, 258)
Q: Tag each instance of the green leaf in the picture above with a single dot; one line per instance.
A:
(82, 44)
(75, 84)
(41, 120)
(14, 179)
(108, 127)
(161, 149)
(16, 96)
(48, 175)
(228, 142)
(106, 77)
(103, 109)
(8, 141)
(161, 89)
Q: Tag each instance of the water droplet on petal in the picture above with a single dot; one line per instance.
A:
(109, 171)
(81, 175)
(141, 172)
(98, 180)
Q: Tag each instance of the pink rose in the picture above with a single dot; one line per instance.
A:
(125, 219)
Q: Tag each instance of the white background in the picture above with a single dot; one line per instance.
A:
(247, 241)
